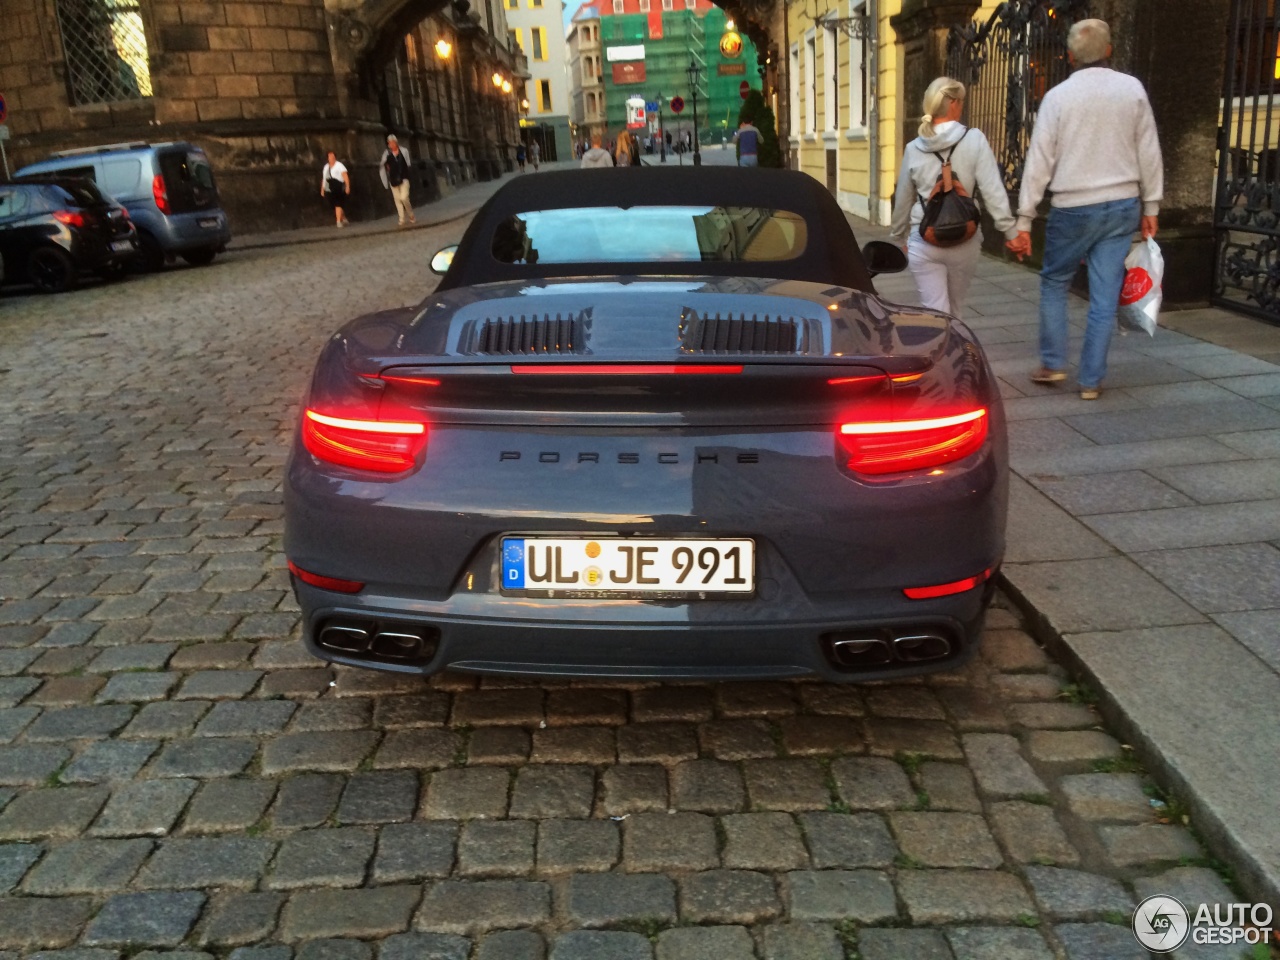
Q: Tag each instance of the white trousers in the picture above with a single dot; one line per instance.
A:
(400, 193)
(943, 274)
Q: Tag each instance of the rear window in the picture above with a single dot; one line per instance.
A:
(647, 234)
(188, 176)
(76, 193)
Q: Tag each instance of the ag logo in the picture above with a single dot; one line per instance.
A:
(1161, 924)
(731, 45)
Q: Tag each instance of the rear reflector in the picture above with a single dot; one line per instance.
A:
(381, 446)
(947, 589)
(325, 583)
(628, 369)
(895, 446)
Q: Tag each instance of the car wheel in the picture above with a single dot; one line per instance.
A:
(200, 258)
(50, 270)
(150, 257)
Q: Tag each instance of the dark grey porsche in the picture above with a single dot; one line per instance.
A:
(652, 423)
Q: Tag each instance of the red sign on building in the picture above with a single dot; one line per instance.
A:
(631, 71)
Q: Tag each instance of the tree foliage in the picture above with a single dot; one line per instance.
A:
(757, 112)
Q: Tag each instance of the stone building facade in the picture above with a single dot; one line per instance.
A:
(266, 87)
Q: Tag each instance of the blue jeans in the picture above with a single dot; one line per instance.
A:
(748, 160)
(1099, 233)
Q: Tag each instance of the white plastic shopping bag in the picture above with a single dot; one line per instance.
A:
(1141, 295)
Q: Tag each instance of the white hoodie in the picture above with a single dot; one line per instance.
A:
(973, 163)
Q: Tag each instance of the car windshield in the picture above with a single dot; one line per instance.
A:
(643, 234)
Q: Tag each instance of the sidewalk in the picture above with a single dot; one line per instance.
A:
(463, 202)
(1143, 535)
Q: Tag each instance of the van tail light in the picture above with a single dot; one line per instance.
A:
(71, 218)
(947, 589)
(378, 445)
(160, 193)
(896, 446)
(325, 583)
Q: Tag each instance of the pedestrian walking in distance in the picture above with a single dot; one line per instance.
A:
(747, 137)
(945, 273)
(535, 154)
(628, 153)
(1095, 147)
(520, 156)
(335, 183)
(597, 156)
(395, 177)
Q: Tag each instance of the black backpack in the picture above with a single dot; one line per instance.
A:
(950, 215)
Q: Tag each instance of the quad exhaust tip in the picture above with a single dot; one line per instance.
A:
(887, 648)
(379, 641)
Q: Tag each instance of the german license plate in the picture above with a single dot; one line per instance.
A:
(208, 221)
(627, 566)
(119, 246)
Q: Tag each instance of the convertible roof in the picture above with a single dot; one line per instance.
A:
(830, 257)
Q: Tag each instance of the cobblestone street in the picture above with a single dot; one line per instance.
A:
(179, 777)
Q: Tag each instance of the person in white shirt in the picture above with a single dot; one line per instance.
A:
(335, 183)
(944, 274)
(597, 156)
(1095, 147)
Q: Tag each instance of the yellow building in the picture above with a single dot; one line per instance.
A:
(844, 76)
(846, 100)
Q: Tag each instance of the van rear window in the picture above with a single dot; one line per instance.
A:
(189, 180)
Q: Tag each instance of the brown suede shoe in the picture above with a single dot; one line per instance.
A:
(1045, 375)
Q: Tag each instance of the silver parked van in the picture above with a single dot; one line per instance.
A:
(168, 189)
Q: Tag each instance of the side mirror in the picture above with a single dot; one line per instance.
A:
(443, 259)
(881, 257)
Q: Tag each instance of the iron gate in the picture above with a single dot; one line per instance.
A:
(1247, 210)
(1008, 64)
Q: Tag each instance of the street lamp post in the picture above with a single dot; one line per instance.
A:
(693, 73)
(662, 138)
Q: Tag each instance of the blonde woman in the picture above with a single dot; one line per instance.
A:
(944, 274)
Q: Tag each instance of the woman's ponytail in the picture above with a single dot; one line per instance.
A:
(936, 98)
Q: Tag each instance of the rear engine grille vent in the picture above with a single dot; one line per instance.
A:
(743, 334)
(532, 336)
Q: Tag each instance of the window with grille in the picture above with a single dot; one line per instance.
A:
(105, 49)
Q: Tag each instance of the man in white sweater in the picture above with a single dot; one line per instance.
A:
(1095, 148)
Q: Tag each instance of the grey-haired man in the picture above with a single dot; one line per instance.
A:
(395, 177)
(1095, 147)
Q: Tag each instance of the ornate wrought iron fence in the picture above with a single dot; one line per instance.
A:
(105, 49)
(1008, 64)
(1247, 211)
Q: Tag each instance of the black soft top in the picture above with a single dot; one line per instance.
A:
(830, 257)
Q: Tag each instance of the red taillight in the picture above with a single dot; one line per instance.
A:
(895, 446)
(383, 446)
(325, 583)
(160, 194)
(629, 369)
(71, 218)
(947, 589)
